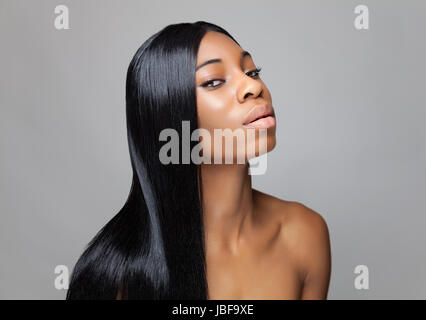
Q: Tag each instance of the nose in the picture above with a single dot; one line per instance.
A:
(249, 87)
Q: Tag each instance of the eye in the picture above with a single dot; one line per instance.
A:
(256, 72)
(208, 83)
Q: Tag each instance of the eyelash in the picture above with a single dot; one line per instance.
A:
(205, 84)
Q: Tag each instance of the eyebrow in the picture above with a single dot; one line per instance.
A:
(243, 54)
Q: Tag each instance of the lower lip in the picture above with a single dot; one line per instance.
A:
(263, 123)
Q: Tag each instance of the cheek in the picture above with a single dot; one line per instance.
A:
(214, 112)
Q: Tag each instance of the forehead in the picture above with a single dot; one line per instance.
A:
(217, 45)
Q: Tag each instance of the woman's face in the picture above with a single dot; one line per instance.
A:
(231, 95)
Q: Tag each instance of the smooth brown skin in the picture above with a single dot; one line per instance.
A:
(257, 246)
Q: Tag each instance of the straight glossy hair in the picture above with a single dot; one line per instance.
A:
(153, 248)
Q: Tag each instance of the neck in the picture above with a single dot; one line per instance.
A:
(227, 204)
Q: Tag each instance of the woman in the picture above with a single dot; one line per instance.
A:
(199, 231)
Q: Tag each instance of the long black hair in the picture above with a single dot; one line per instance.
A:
(153, 248)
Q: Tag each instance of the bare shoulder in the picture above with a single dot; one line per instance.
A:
(304, 235)
(292, 215)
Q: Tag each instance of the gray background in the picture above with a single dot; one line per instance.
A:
(350, 106)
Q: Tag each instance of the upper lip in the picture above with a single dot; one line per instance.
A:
(259, 111)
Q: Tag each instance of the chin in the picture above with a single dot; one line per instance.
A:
(272, 141)
(269, 142)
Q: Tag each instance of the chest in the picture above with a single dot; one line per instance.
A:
(252, 277)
